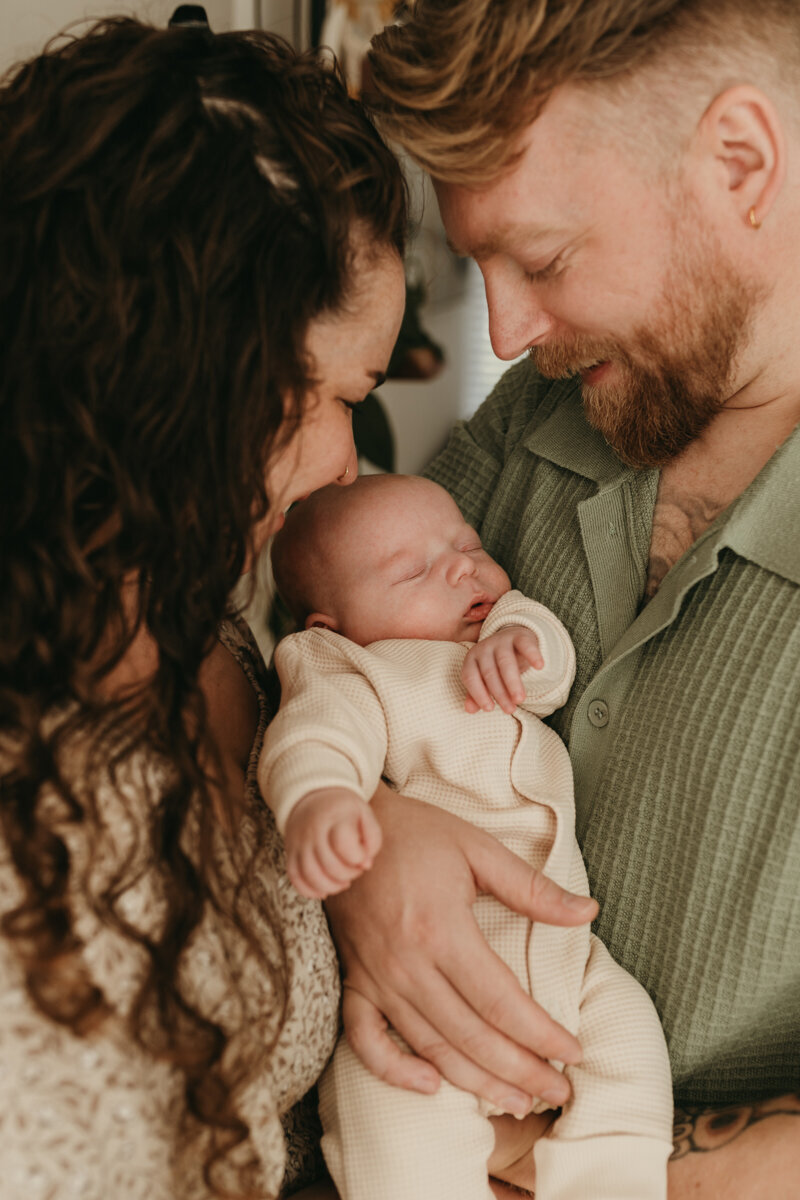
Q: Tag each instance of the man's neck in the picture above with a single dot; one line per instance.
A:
(709, 475)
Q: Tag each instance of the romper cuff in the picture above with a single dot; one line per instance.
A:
(626, 1167)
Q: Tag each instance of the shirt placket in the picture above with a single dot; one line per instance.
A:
(616, 548)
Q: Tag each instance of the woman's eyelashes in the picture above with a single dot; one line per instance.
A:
(351, 404)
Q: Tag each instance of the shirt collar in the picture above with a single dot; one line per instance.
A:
(567, 439)
(763, 525)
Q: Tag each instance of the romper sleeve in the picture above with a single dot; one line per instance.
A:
(330, 730)
(546, 689)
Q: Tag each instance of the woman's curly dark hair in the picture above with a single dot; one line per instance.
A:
(175, 208)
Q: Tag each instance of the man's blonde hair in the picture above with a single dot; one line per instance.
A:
(461, 78)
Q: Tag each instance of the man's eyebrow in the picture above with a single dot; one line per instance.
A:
(504, 239)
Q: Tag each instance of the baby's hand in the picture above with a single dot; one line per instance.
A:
(332, 837)
(493, 669)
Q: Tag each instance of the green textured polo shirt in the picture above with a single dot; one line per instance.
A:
(683, 725)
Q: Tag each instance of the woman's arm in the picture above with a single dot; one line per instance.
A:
(413, 954)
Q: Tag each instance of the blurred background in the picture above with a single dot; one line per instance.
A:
(445, 366)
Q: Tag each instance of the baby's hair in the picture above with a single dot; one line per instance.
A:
(301, 550)
(297, 552)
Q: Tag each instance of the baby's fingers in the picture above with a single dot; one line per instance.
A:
(511, 668)
(478, 696)
(308, 877)
(371, 835)
(501, 675)
(527, 647)
(345, 849)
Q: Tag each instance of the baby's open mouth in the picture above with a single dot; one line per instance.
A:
(479, 609)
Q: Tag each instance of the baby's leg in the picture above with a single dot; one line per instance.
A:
(383, 1143)
(613, 1138)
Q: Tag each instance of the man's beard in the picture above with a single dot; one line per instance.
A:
(676, 376)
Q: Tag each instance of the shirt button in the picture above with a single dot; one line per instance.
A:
(598, 713)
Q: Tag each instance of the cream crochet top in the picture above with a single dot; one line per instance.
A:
(96, 1118)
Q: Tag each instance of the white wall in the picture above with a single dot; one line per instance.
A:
(455, 315)
(27, 24)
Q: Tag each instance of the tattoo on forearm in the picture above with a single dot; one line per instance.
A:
(698, 1130)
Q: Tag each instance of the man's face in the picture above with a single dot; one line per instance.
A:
(600, 269)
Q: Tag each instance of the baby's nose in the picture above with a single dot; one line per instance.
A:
(461, 566)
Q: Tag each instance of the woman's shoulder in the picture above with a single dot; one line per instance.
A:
(237, 638)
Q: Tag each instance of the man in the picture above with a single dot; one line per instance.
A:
(626, 174)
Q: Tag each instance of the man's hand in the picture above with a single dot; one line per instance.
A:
(493, 668)
(332, 837)
(413, 955)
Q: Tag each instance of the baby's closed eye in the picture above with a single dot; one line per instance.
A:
(413, 573)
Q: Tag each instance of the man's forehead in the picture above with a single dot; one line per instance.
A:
(538, 201)
(561, 159)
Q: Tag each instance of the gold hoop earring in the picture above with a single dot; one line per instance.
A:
(753, 219)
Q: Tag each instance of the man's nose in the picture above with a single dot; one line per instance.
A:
(517, 319)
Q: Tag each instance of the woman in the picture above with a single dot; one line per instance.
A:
(201, 241)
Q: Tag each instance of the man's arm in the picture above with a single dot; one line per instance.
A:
(730, 1152)
(739, 1151)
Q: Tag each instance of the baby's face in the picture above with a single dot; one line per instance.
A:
(411, 567)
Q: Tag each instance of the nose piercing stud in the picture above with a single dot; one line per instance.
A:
(346, 473)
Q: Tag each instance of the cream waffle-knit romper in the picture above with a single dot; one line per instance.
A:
(352, 714)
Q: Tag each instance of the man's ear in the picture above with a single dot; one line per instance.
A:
(743, 136)
(321, 621)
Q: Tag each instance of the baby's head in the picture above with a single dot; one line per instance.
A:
(388, 557)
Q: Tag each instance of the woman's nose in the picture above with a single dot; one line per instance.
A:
(351, 469)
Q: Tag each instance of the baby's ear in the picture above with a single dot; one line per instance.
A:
(317, 620)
